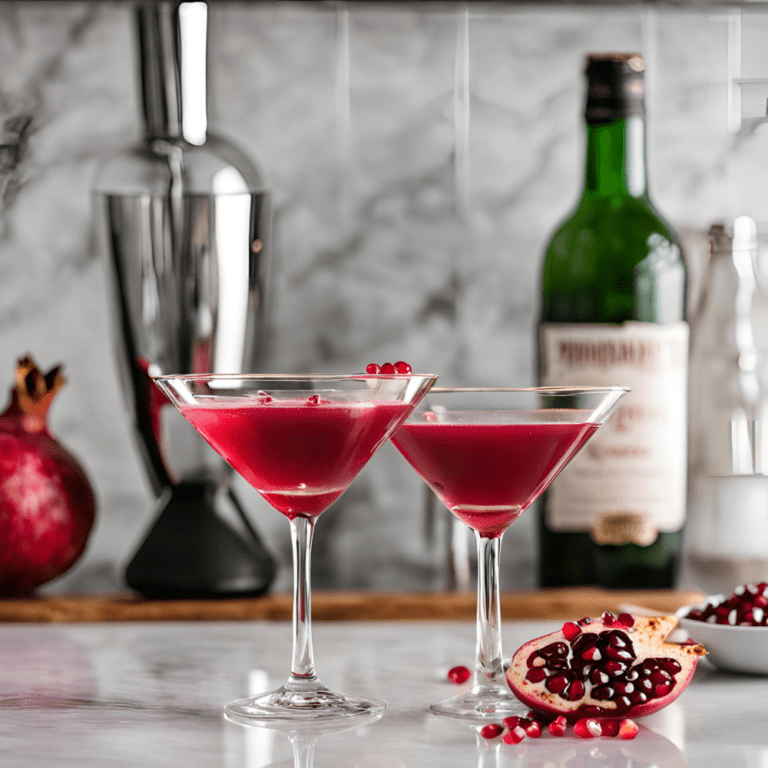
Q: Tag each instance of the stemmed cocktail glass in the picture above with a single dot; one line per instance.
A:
(300, 441)
(488, 454)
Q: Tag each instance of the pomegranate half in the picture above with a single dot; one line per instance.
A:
(47, 505)
(603, 668)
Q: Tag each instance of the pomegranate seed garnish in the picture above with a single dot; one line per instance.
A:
(402, 367)
(372, 368)
(628, 729)
(511, 722)
(557, 726)
(514, 736)
(588, 728)
(313, 399)
(491, 731)
(264, 397)
(608, 619)
(459, 675)
(571, 630)
(626, 619)
(533, 730)
(610, 726)
(387, 368)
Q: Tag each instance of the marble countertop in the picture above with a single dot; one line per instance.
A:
(146, 694)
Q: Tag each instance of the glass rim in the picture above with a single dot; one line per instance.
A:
(540, 390)
(287, 376)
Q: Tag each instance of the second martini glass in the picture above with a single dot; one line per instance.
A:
(299, 441)
(488, 454)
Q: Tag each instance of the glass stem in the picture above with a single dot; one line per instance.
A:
(488, 665)
(303, 664)
(303, 750)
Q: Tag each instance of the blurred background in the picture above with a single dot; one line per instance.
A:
(419, 157)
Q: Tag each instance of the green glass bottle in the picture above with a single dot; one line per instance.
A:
(613, 313)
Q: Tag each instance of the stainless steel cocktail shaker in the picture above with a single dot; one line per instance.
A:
(184, 219)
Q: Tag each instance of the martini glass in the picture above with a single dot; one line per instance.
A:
(299, 441)
(488, 454)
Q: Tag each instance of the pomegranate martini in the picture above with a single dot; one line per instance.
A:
(488, 454)
(299, 441)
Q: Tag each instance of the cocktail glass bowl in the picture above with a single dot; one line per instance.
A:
(300, 441)
(488, 454)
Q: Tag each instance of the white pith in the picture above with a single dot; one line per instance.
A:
(644, 636)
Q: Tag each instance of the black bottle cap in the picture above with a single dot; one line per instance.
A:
(615, 87)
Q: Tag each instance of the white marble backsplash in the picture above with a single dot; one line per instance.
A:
(419, 160)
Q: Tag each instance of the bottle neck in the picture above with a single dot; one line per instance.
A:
(615, 161)
(172, 38)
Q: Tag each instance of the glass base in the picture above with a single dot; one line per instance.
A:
(291, 705)
(482, 702)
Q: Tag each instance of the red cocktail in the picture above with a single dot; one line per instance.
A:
(300, 441)
(488, 454)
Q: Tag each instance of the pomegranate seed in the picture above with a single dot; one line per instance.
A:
(536, 674)
(588, 728)
(387, 368)
(491, 731)
(459, 675)
(576, 690)
(608, 619)
(591, 654)
(557, 726)
(511, 722)
(626, 619)
(671, 666)
(513, 736)
(614, 668)
(628, 729)
(557, 683)
(402, 367)
(533, 730)
(554, 650)
(571, 630)
(313, 399)
(372, 368)
(264, 397)
(662, 690)
(610, 726)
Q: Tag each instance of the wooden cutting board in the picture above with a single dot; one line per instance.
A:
(343, 606)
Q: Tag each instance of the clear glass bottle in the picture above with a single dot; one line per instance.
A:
(727, 536)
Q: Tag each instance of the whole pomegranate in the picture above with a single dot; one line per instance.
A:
(605, 667)
(47, 506)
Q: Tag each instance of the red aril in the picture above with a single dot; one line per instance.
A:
(491, 731)
(388, 368)
(620, 669)
(372, 368)
(402, 367)
(47, 506)
(628, 729)
(514, 735)
(557, 726)
(459, 675)
(588, 728)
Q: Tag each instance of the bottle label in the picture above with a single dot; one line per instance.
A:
(629, 481)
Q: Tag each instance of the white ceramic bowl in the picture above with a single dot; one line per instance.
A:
(736, 649)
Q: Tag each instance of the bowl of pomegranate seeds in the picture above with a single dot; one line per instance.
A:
(733, 628)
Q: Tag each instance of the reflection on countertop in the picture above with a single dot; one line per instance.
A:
(152, 694)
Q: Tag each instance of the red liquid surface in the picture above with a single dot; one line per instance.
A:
(300, 457)
(489, 474)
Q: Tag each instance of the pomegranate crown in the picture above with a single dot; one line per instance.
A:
(33, 392)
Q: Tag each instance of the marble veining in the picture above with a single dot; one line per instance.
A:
(419, 160)
(152, 694)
